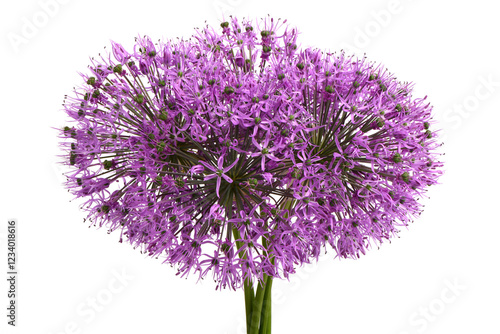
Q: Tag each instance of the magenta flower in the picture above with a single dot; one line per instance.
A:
(240, 156)
(219, 172)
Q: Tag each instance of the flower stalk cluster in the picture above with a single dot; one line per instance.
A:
(239, 155)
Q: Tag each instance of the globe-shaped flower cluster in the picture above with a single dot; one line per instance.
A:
(237, 154)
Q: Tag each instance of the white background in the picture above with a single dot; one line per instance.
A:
(441, 276)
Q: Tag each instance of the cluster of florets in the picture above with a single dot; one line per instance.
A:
(237, 154)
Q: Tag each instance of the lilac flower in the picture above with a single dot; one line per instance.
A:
(219, 172)
(239, 155)
(263, 152)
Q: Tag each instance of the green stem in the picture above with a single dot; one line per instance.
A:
(265, 320)
(257, 308)
(249, 298)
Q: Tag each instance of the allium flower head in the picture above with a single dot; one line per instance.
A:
(237, 154)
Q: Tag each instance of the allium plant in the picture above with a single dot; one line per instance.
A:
(239, 156)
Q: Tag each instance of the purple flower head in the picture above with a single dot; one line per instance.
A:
(219, 172)
(237, 154)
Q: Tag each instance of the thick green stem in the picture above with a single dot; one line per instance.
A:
(249, 298)
(265, 320)
(257, 309)
(260, 322)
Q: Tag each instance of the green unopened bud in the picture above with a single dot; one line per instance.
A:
(161, 83)
(105, 208)
(152, 53)
(252, 182)
(426, 125)
(180, 74)
(397, 158)
(118, 69)
(257, 120)
(265, 150)
(428, 133)
(72, 158)
(398, 107)
(228, 90)
(266, 49)
(265, 97)
(139, 98)
(160, 146)
(329, 89)
(380, 122)
(107, 164)
(355, 84)
(300, 66)
(265, 33)
(255, 99)
(249, 28)
(224, 24)
(91, 81)
(406, 177)
(281, 76)
(96, 93)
